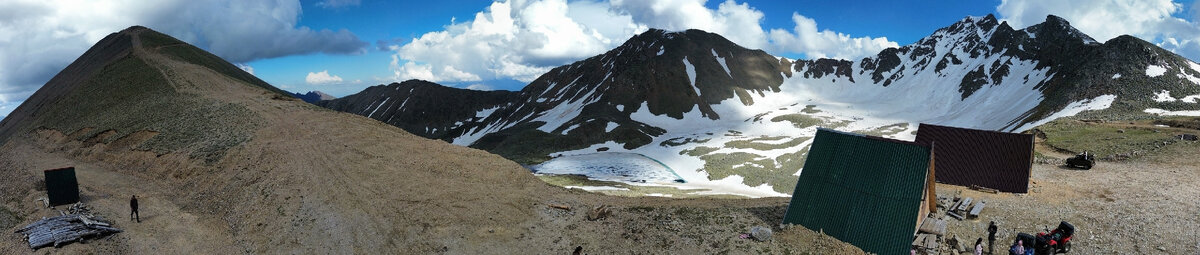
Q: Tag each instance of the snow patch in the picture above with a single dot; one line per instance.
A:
(1190, 99)
(611, 126)
(594, 188)
(1155, 70)
(661, 49)
(1115, 76)
(1194, 66)
(1163, 96)
(722, 61)
(691, 72)
(1098, 103)
(572, 127)
(1189, 77)
(380, 106)
(620, 108)
(1193, 113)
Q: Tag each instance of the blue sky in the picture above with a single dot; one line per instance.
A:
(343, 46)
(394, 22)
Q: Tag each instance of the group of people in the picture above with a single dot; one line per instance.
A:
(1017, 248)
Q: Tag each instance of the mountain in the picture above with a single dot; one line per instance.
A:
(420, 107)
(722, 115)
(313, 96)
(224, 163)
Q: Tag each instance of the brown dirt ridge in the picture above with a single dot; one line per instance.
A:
(261, 172)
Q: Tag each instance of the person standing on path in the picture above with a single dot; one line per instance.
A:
(133, 206)
(991, 236)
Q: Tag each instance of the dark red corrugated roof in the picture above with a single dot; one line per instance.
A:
(989, 159)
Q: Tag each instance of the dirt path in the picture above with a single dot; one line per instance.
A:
(165, 227)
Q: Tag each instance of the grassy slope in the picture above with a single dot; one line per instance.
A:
(1115, 140)
(182, 121)
(170, 46)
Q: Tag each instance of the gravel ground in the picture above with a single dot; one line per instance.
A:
(1144, 206)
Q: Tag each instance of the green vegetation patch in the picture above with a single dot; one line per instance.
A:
(698, 151)
(129, 96)
(1180, 122)
(197, 56)
(798, 120)
(753, 144)
(681, 141)
(887, 130)
(810, 109)
(756, 170)
(154, 40)
(1104, 140)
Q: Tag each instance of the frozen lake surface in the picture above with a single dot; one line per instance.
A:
(611, 166)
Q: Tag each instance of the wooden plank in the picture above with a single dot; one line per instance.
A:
(931, 243)
(64, 229)
(984, 189)
(978, 208)
(964, 205)
(933, 226)
(955, 215)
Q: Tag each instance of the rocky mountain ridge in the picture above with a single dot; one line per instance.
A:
(668, 95)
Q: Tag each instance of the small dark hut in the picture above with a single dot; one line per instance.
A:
(61, 186)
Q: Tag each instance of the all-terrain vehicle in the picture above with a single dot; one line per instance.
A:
(1027, 243)
(1057, 241)
(1084, 160)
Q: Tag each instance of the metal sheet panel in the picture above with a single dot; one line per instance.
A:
(866, 191)
(989, 159)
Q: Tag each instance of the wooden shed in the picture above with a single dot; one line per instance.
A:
(61, 186)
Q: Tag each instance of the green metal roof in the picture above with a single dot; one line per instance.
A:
(865, 191)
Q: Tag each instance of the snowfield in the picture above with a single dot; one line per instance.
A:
(758, 150)
(1172, 113)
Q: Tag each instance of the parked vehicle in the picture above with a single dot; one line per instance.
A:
(1027, 241)
(1057, 241)
(1084, 160)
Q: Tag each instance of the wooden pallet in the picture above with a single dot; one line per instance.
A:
(60, 230)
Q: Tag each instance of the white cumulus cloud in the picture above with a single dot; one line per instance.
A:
(805, 38)
(523, 39)
(479, 86)
(38, 38)
(322, 77)
(246, 67)
(518, 40)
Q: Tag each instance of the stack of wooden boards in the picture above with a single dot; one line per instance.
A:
(928, 234)
(75, 226)
(962, 205)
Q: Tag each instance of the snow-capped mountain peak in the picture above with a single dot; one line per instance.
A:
(734, 120)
